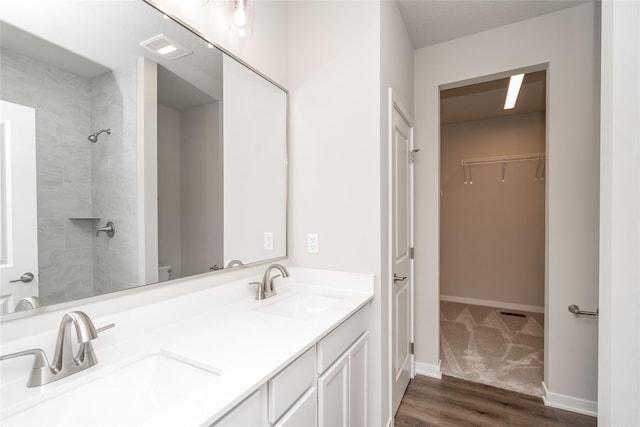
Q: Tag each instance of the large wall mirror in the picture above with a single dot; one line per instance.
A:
(132, 152)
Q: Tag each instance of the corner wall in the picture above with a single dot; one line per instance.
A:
(568, 41)
(334, 149)
(396, 72)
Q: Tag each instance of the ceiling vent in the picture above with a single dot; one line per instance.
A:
(165, 47)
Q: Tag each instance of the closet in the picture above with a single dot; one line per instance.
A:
(492, 233)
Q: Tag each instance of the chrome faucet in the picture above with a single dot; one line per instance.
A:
(266, 288)
(65, 363)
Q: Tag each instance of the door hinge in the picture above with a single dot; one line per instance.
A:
(410, 348)
(411, 253)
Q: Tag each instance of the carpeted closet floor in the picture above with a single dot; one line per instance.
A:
(483, 345)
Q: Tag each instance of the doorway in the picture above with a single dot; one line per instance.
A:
(492, 233)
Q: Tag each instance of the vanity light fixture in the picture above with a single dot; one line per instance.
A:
(165, 47)
(514, 89)
(240, 19)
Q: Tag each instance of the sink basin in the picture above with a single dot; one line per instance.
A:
(300, 305)
(131, 395)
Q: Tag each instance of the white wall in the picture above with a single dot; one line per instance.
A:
(190, 212)
(201, 189)
(619, 345)
(568, 42)
(255, 165)
(265, 49)
(334, 137)
(169, 219)
(338, 83)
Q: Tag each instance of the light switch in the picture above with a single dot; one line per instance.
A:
(312, 243)
(268, 241)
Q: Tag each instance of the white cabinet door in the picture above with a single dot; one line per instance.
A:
(358, 385)
(290, 384)
(303, 413)
(251, 412)
(333, 395)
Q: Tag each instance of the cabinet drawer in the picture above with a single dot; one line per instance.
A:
(303, 413)
(338, 340)
(291, 383)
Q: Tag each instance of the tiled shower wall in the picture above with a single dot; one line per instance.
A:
(63, 157)
(113, 106)
(79, 179)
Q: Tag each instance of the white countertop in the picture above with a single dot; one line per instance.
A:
(248, 346)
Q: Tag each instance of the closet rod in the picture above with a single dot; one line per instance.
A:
(503, 159)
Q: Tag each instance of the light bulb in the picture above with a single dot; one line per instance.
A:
(240, 17)
(242, 32)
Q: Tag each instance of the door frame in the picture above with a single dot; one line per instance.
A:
(394, 104)
(545, 66)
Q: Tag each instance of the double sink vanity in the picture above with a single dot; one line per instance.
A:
(215, 356)
(149, 135)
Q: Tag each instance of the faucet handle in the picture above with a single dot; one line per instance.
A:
(259, 291)
(104, 328)
(40, 360)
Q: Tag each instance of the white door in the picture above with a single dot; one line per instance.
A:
(18, 212)
(401, 260)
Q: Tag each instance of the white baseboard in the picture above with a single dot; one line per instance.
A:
(428, 370)
(569, 403)
(488, 303)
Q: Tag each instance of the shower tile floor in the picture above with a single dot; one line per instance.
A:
(480, 344)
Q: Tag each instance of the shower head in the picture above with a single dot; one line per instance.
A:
(94, 136)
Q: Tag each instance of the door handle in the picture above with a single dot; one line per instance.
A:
(25, 278)
(397, 278)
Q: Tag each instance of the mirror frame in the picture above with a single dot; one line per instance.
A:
(172, 282)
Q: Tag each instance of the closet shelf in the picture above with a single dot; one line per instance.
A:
(530, 157)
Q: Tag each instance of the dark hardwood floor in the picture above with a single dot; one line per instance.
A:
(455, 402)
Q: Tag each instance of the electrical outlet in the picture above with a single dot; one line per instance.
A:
(312, 243)
(268, 241)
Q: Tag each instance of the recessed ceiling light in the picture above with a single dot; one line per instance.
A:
(167, 49)
(514, 89)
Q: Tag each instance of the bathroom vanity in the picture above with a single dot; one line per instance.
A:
(214, 356)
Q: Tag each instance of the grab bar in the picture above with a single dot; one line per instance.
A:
(576, 310)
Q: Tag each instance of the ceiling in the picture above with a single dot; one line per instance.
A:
(431, 22)
(486, 100)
